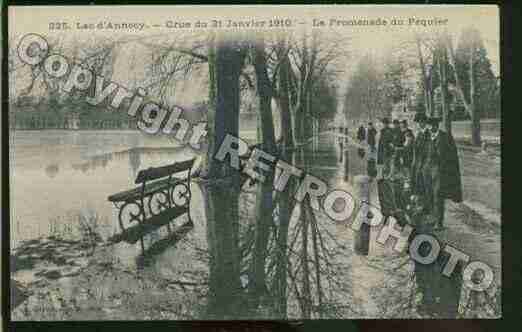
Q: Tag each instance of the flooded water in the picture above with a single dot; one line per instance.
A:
(61, 178)
(58, 176)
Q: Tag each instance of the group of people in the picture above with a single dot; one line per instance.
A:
(395, 152)
(369, 134)
(418, 172)
(426, 163)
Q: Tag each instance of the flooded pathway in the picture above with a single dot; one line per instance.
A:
(210, 270)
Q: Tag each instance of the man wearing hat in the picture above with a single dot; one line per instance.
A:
(440, 172)
(370, 136)
(419, 154)
(385, 148)
(396, 147)
(405, 131)
(406, 142)
(361, 133)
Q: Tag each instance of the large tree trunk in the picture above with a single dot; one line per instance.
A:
(305, 290)
(287, 133)
(443, 73)
(304, 219)
(286, 206)
(264, 88)
(224, 300)
(222, 195)
(229, 63)
(265, 208)
(317, 260)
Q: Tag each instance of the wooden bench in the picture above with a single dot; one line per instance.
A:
(162, 196)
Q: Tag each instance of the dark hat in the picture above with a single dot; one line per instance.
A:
(434, 120)
(404, 122)
(385, 120)
(420, 117)
(395, 121)
(370, 123)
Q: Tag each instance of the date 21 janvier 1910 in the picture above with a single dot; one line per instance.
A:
(273, 23)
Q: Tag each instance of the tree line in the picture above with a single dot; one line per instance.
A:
(427, 73)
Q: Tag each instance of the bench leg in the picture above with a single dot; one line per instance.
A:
(142, 222)
(142, 246)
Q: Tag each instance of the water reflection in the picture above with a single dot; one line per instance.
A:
(134, 162)
(133, 155)
(158, 245)
(257, 254)
(290, 267)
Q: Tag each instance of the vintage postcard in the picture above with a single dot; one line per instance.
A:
(254, 162)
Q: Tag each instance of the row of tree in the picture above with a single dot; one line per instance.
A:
(31, 113)
(300, 79)
(295, 75)
(428, 74)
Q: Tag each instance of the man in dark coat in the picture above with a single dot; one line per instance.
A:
(397, 147)
(405, 143)
(419, 154)
(361, 134)
(440, 172)
(405, 131)
(370, 136)
(385, 148)
(396, 132)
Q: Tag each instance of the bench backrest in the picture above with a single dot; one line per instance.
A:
(154, 173)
